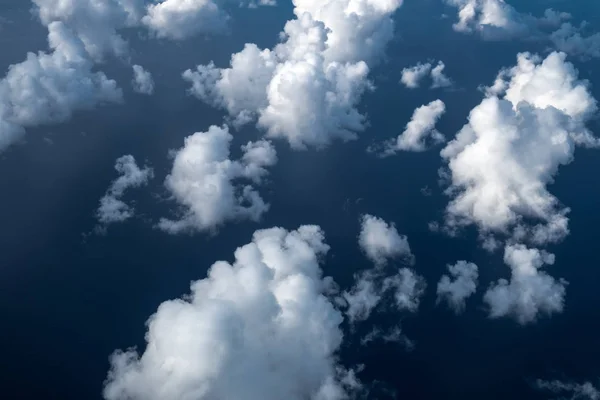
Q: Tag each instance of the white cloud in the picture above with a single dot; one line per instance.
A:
(142, 80)
(460, 285)
(530, 291)
(502, 160)
(575, 391)
(395, 334)
(112, 209)
(440, 80)
(497, 20)
(213, 188)
(262, 323)
(48, 87)
(408, 289)
(179, 19)
(381, 241)
(307, 88)
(418, 130)
(363, 297)
(412, 76)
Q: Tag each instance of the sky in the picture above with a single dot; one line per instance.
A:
(341, 199)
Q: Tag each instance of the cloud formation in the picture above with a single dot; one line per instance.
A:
(112, 209)
(212, 188)
(412, 76)
(381, 241)
(498, 20)
(455, 289)
(530, 292)
(420, 128)
(575, 391)
(501, 161)
(307, 88)
(260, 328)
(142, 80)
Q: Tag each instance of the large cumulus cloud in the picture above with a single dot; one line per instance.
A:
(501, 161)
(211, 187)
(259, 328)
(307, 88)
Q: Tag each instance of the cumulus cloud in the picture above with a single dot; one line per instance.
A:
(394, 334)
(455, 289)
(142, 80)
(420, 128)
(48, 87)
(575, 391)
(412, 76)
(112, 209)
(530, 292)
(439, 79)
(380, 241)
(307, 88)
(497, 20)
(501, 161)
(179, 19)
(259, 328)
(212, 188)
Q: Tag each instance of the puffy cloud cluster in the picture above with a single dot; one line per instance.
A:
(112, 209)
(211, 187)
(142, 80)
(381, 242)
(49, 87)
(575, 391)
(459, 286)
(260, 328)
(511, 148)
(412, 76)
(497, 20)
(420, 128)
(307, 88)
(530, 292)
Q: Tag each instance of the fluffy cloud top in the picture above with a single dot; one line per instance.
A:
(142, 80)
(530, 291)
(502, 160)
(49, 87)
(213, 188)
(497, 20)
(412, 76)
(381, 241)
(419, 129)
(307, 88)
(260, 328)
(112, 209)
(459, 286)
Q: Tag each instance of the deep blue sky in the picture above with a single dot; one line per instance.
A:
(66, 302)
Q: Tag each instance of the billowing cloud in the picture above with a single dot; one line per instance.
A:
(530, 292)
(455, 289)
(420, 128)
(112, 209)
(260, 328)
(412, 76)
(497, 20)
(307, 88)
(381, 241)
(142, 80)
(439, 79)
(575, 391)
(179, 19)
(48, 87)
(515, 141)
(212, 188)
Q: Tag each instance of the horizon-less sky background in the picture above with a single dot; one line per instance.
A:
(68, 298)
